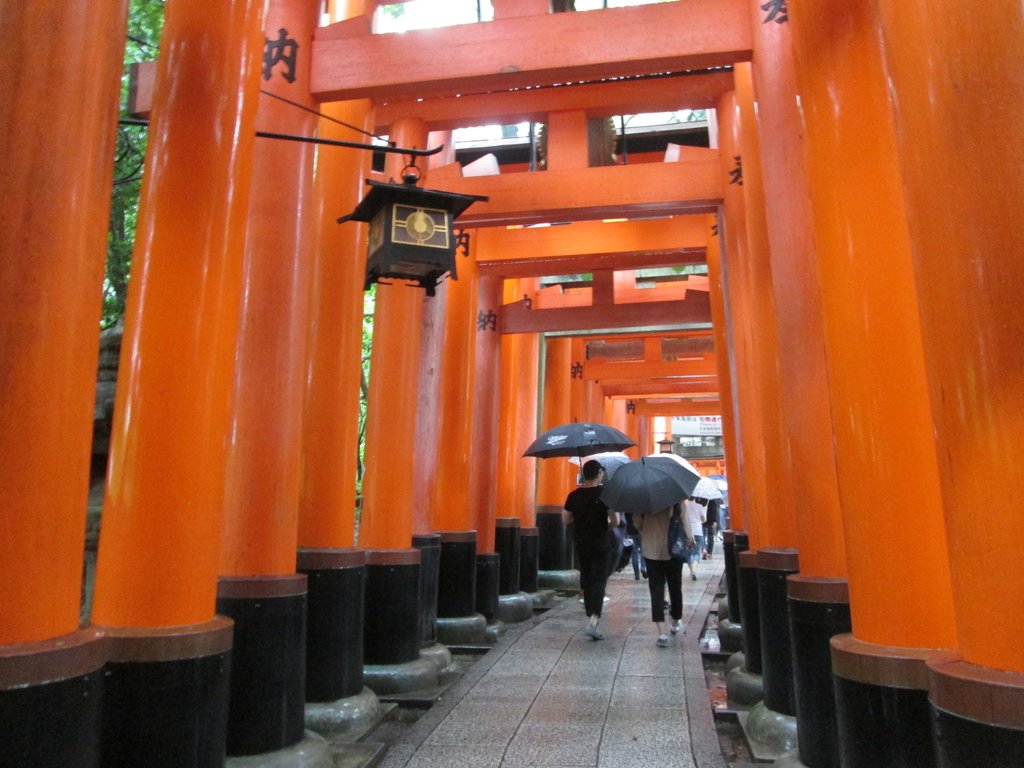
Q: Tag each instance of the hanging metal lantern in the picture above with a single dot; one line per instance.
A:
(411, 230)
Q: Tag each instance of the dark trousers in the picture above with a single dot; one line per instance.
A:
(593, 578)
(660, 572)
(710, 531)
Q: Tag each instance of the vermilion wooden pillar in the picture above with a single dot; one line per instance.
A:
(555, 476)
(454, 412)
(946, 59)
(777, 528)
(900, 596)
(579, 395)
(487, 399)
(335, 570)
(448, 370)
(54, 213)
(749, 484)
(259, 588)
(428, 426)
(388, 490)
(330, 439)
(394, 598)
(794, 271)
(725, 357)
(643, 435)
(744, 684)
(817, 597)
(518, 426)
(162, 519)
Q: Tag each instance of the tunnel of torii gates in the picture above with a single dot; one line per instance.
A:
(859, 331)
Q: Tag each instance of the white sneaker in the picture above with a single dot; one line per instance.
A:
(677, 627)
(662, 641)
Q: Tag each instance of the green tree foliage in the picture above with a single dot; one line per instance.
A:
(145, 23)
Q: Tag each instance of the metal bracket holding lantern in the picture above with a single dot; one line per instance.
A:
(411, 230)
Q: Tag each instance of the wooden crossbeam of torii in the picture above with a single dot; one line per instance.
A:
(540, 49)
(670, 315)
(707, 406)
(692, 90)
(589, 246)
(693, 184)
(661, 388)
(604, 370)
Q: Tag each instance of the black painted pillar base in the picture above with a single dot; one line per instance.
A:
(733, 542)
(391, 645)
(529, 540)
(882, 712)
(50, 695)
(507, 545)
(429, 545)
(745, 685)
(819, 609)
(165, 695)
(266, 712)
(977, 713)
(488, 566)
(750, 611)
(774, 566)
(458, 622)
(554, 549)
(456, 592)
(391, 632)
(771, 725)
(730, 626)
(336, 585)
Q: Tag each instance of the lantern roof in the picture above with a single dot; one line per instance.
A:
(384, 193)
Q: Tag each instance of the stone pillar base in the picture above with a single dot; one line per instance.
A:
(737, 660)
(495, 630)
(730, 634)
(462, 630)
(352, 713)
(543, 599)
(438, 654)
(744, 689)
(515, 608)
(560, 581)
(312, 751)
(769, 733)
(389, 679)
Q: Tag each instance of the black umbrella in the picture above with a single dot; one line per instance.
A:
(648, 485)
(578, 440)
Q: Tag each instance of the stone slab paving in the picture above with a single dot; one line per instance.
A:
(547, 696)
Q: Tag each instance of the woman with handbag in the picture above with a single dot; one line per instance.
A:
(664, 567)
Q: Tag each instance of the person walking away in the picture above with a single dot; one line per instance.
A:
(695, 516)
(662, 570)
(636, 559)
(591, 521)
(711, 527)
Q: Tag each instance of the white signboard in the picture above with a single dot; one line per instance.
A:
(697, 425)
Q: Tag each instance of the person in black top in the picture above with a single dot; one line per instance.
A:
(711, 527)
(591, 520)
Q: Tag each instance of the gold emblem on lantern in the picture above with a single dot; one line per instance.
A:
(427, 227)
